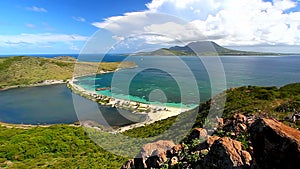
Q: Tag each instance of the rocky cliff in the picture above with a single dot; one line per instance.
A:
(272, 145)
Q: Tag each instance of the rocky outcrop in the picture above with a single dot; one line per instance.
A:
(238, 124)
(226, 153)
(275, 145)
(198, 133)
(152, 155)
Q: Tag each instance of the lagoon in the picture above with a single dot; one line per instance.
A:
(54, 104)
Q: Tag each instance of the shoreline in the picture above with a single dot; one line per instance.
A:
(44, 83)
(29, 126)
(153, 112)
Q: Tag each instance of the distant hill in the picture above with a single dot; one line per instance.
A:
(204, 48)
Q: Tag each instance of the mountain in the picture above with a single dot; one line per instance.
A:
(204, 48)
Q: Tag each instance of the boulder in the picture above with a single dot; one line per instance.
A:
(226, 153)
(154, 154)
(210, 140)
(238, 124)
(198, 133)
(275, 145)
(207, 143)
(175, 150)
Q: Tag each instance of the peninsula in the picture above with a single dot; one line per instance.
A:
(23, 71)
(153, 112)
(26, 71)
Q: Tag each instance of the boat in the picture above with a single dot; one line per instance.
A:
(102, 88)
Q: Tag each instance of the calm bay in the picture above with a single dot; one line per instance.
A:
(54, 104)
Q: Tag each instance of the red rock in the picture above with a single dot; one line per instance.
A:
(176, 149)
(153, 154)
(198, 133)
(275, 145)
(227, 153)
(210, 140)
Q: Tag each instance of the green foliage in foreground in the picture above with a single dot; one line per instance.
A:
(62, 146)
(58, 146)
(278, 103)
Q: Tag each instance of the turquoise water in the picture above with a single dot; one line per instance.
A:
(150, 86)
(54, 104)
(167, 76)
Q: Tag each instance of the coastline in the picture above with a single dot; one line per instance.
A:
(153, 112)
(29, 126)
(44, 83)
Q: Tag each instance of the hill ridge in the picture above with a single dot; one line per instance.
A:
(203, 48)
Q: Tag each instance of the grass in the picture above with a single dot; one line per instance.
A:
(24, 70)
(63, 146)
(57, 146)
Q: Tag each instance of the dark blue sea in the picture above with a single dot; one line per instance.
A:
(172, 81)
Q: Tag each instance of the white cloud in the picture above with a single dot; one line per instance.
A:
(29, 25)
(174, 32)
(186, 9)
(78, 18)
(230, 22)
(117, 24)
(41, 43)
(74, 48)
(245, 22)
(140, 23)
(36, 9)
(284, 4)
(36, 39)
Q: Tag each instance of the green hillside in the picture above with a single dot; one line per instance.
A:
(58, 146)
(271, 102)
(25, 70)
(63, 146)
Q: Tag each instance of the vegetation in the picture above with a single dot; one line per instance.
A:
(65, 146)
(273, 102)
(24, 70)
(57, 146)
(279, 103)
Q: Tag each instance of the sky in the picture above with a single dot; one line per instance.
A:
(74, 26)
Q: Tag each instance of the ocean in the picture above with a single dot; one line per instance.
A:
(171, 81)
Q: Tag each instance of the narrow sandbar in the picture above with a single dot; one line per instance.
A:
(154, 112)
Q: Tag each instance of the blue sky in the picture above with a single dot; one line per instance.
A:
(65, 26)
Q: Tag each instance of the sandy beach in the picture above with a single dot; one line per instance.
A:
(154, 112)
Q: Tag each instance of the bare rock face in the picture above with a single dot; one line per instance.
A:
(154, 154)
(238, 124)
(198, 133)
(210, 140)
(275, 145)
(226, 153)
